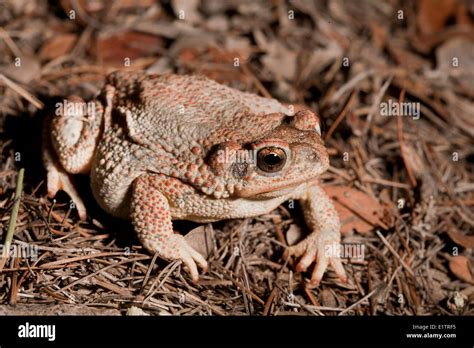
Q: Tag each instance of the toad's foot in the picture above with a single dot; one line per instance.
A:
(323, 244)
(151, 217)
(175, 247)
(319, 248)
(59, 180)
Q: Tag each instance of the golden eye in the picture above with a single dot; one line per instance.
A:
(271, 159)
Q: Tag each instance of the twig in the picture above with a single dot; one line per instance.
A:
(98, 272)
(352, 306)
(86, 257)
(392, 250)
(377, 101)
(350, 85)
(148, 272)
(21, 91)
(268, 304)
(385, 182)
(261, 88)
(341, 116)
(372, 306)
(10, 43)
(13, 217)
(411, 176)
(311, 297)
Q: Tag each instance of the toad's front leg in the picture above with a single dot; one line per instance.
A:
(151, 218)
(323, 244)
(69, 141)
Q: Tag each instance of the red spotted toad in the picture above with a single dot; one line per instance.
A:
(163, 148)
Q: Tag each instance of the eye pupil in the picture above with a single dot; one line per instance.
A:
(272, 159)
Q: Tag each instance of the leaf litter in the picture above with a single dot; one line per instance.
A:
(403, 186)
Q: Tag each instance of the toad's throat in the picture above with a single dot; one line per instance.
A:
(273, 190)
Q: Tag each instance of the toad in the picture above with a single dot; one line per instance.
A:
(160, 148)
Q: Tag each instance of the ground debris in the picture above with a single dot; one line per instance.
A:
(391, 80)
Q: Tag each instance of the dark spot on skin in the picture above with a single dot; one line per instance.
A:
(239, 170)
(314, 157)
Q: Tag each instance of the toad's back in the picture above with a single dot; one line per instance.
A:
(186, 111)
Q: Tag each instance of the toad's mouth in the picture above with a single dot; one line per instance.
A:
(274, 190)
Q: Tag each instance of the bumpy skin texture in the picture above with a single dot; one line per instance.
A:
(160, 148)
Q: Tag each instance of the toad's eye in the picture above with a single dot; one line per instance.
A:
(271, 159)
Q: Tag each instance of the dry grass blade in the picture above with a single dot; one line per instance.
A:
(13, 218)
(411, 176)
(21, 91)
(394, 253)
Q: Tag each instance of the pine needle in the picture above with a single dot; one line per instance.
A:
(13, 217)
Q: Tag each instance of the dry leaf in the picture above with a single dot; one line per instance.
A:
(279, 60)
(328, 299)
(455, 59)
(57, 46)
(161, 66)
(379, 34)
(439, 280)
(241, 45)
(27, 71)
(461, 239)
(136, 311)
(405, 58)
(113, 49)
(357, 210)
(186, 10)
(92, 12)
(320, 59)
(433, 15)
(201, 239)
(461, 268)
(415, 160)
(461, 110)
(134, 4)
(217, 62)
